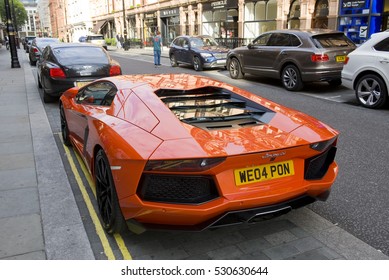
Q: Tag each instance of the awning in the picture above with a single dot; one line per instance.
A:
(99, 25)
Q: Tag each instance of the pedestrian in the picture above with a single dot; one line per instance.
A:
(118, 44)
(157, 45)
(122, 42)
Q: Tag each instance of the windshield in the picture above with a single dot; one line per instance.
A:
(332, 41)
(96, 37)
(80, 55)
(199, 42)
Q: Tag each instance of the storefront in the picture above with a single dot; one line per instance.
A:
(220, 19)
(359, 19)
(259, 17)
(150, 26)
(170, 24)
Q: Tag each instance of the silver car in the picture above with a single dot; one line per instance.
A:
(294, 56)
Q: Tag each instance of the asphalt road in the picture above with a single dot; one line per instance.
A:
(358, 202)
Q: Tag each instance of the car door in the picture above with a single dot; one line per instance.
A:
(187, 55)
(91, 100)
(254, 57)
(381, 59)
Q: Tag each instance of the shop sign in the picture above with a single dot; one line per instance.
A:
(353, 4)
(150, 16)
(219, 4)
(170, 12)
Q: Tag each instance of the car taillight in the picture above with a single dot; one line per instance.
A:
(347, 59)
(35, 50)
(182, 165)
(57, 73)
(319, 57)
(115, 70)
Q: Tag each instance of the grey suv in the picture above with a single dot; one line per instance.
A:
(294, 56)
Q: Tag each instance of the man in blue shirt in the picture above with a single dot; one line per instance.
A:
(157, 45)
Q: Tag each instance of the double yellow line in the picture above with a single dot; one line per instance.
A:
(95, 219)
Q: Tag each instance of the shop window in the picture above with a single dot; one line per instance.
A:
(260, 10)
(294, 14)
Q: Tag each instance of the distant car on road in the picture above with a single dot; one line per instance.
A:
(367, 71)
(295, 57)
(82, 39)
(27, 42)
(63, 66)
(188, 152)
(96, 40)
(37, 46)
(198, 51)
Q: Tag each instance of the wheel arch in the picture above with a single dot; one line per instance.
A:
(285, 64)
(370, 72)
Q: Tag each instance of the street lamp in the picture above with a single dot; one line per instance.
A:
(124, 25)
(11, 36)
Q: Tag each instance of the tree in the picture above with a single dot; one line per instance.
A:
(17, 7)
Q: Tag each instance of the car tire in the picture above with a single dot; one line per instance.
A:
(107, 200)
(39, 82)
(173, 61)
(197, 65)
(291, 78)
(371, 91)
(48, 98)
(335, 83)
(64, 126)
(32, 63)
(235, 69)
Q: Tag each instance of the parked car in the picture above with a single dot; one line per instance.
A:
(295, 57)
(27, 42)
(63, 66)
(198, 51)
(37, 46)
(188, 152)
(367, 71)
(97, 40)
(82, 39)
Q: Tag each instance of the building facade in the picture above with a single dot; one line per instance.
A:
(229, 20)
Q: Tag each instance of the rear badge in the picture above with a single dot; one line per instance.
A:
(273, 156)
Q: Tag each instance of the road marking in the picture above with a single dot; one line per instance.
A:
(118, 238)
(96, 221)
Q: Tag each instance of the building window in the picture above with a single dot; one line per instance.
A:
(294, 15)
(259, 17)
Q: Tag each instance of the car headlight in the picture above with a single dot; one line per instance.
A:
(205, 55)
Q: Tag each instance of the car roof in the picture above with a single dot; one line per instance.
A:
(308, 32)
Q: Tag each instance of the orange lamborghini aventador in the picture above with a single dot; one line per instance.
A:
(187, 152)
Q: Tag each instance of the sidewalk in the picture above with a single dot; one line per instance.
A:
(39, 218)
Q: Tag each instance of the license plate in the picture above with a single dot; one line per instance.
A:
(81, 84)
(263, 172)
(340, 58)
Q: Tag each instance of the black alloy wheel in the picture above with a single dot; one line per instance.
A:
(291, 78)
(235, 69)
(197, 65)
(107, 200)
(64, 126)
(173, 61)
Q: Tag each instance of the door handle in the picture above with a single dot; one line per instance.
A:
(384, 61)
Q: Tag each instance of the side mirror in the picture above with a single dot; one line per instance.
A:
(250, 46)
